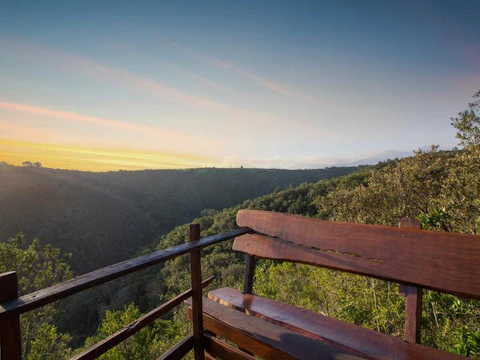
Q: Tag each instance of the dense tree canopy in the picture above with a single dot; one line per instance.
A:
(148, 343)
(467, 124)
(37, 267)
(103, 218)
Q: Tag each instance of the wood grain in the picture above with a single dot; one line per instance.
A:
(441, 261)
(413, 312)
(368, 343)
(413, 298)
(10, 335)
(265, 339)
(45, 296)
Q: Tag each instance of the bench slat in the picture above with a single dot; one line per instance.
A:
(446, 262)
(373, 344)
(265, 339)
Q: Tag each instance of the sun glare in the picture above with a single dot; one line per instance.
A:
(96, 159)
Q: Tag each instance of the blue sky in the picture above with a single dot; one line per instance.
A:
(268, 84)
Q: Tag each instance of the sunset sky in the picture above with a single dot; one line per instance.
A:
(108, 85)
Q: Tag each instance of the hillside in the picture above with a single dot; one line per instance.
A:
(441, 189)
(103, 218)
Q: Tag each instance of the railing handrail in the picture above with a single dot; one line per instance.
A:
(106, 344)
(48, 295)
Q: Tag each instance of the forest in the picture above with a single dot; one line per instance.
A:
(103, 218)
(439, 188)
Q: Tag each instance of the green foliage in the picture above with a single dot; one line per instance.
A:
(368, 302)
(435, 219)
(37, 267)
(467, 342)
(103, 218)
(148, 343)
(467, 124)
(49, 344)
(440, 188)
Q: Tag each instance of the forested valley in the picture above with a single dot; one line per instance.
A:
(439, 188)
(103, 218)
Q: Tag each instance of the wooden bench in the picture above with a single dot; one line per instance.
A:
(414, 258)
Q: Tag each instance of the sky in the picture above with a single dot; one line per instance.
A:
(109, 85)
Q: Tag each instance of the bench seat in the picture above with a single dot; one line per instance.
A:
(266, 339)
(333, 333)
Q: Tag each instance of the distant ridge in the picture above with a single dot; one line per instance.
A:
(375, 159)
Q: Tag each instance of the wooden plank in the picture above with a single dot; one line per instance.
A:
(10, 335)
(179, 350)
(265, 339)
(413, 298)
(413, 313)
(209, 357)
(370, 343)
(196, 281)
(103, 346)
(45, 296)
(219, 349)
(417, 257)
(249, 272)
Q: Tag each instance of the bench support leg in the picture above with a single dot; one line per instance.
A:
(413, 298)
(249, 272)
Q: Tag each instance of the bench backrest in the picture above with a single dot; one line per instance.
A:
(447, 262)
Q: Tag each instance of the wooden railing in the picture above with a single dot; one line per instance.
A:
(12, 306)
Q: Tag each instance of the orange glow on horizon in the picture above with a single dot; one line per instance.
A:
(15, 152)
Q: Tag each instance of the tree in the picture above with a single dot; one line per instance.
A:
(148, 343)
(468, 124)
(37, 266)
(37, 164)
(27, 164)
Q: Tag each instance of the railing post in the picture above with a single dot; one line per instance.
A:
(196, 278)
(10, 336)
(413, 298)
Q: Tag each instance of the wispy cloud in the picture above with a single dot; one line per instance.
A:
(271, 85)
(168, 137)
(9, 129)
(206, 81)
(228, 117)
(73, 63)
